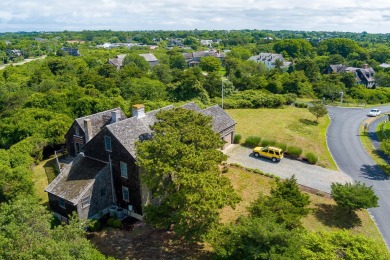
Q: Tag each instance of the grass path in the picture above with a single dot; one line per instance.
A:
(43, 174)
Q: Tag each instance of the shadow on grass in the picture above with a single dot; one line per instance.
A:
(308, 122)
(334, 216)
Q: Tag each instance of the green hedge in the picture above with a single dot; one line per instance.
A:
(252, 141)
(311, 158)
(294, 151)
(268, 142)
(237, 138)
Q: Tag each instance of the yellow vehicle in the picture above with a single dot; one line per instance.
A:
(271, 152)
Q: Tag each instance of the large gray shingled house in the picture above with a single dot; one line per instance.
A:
(103, 175)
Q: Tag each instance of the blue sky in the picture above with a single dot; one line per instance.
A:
(76, 15)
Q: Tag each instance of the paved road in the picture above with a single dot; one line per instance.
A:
(309, 175)
(22, 62)
(345, 146)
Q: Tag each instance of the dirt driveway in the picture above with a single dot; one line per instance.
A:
(308, 175)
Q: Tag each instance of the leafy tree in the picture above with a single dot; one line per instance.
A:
(295, 48)
(240, 53)
(341, 245)
(383, 79)
(341, 46)
(136, 59)
(286, 204)
(318, 110)
(385, 146)
(310, 69)
(181, 170)
(354, 196)
(177, 61)
(162, 72)
(210, 64)
(255, 238)
(26, 233)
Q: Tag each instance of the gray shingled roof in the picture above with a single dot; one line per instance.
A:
(74, 180)
(133, 129)
(191, 106)
(99, 120)
(221, 120)
(130, 130)
(149, 57)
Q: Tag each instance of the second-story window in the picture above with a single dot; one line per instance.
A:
(107, 143)
(124, 169)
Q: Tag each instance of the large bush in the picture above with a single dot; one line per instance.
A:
(252, 141)
(311, 158)
(237, 138)
(294, 151)
(268, 142)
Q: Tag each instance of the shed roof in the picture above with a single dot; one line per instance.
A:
(74, 180)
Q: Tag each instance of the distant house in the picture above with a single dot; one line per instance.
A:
(384, 65)
(193, 59)
(103, 175)
(206, 42)
(71, 51)
(150, 58)
(269, 60)
(363, 75)
(118, 61)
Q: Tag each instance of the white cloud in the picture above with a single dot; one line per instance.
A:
(348, 15)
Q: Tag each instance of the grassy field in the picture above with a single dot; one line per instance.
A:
(290, 125)
(43, 174)
(366, 142)
(324, 215)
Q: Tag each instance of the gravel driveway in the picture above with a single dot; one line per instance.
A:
(309, 175)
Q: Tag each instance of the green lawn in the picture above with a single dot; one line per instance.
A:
(290, 125)
(43, 174)
(324, 214)
(367, 144)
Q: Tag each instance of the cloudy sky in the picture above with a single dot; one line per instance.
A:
(308, 15)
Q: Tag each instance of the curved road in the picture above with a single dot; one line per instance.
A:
(348, 152)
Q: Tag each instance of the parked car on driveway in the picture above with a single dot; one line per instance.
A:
(374, 112)
(271, 152)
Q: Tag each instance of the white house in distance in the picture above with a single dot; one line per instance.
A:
(269, 59)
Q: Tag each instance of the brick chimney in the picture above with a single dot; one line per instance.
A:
(87, 130)
(115, 116)
(138, 110)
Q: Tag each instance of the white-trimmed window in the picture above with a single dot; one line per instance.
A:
(123, 169)
(107, 143)
(86, 201)
(125, 193)
(61, 203)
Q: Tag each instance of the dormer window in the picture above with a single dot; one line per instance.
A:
(77, 130)
(107, 143)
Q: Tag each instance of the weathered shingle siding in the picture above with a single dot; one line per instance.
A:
(97, 202)
(69, 138)
(96, 149)
(55, 206)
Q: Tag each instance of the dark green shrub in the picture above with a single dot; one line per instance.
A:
(117, 223)
(110, 222)
(237, 138)
(294, 151)
(311, 158)
(252, 141)
(268, 142)
(95, 225)
(282, 146)
(300, 105)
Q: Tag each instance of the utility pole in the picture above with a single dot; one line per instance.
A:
(222, 93)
